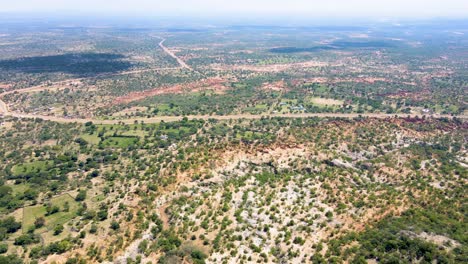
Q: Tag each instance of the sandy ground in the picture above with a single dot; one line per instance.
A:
(326, 101)
(214, 84)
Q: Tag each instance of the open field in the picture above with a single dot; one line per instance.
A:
(326, 101)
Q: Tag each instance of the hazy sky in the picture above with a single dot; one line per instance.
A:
(304, 8)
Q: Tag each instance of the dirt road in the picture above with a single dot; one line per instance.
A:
(158, 119)
(170, 53)
(3, 107)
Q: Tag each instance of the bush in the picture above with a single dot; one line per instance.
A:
(299, 241)
(26, 239)
(10, 259)
(58, 247)
(81, 196)
(3, 248)
(102, 215)
(115, 225)
(198, 256)
(168, 241)
(58, 229)
(10, 224)
(52, 209)
(39, 222)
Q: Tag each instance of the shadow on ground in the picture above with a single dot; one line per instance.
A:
(72, 63)
(337, 45)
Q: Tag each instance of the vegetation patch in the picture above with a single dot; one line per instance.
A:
(57, 211)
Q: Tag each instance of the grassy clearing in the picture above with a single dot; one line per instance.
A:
(35, 166)
(166, 109)
(98, 198)
(135, 133)
(319, 88)
(121, 142)
(91, 139)
(174, 130)
(261, 106)
(257, 109)
(31, 213)
(19, 188)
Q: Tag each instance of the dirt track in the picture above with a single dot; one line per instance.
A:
(218, 117)
(170, 53)
(3, 107)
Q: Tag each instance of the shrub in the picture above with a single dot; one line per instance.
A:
(58, 229)
(10, 224)
(26, 239)
(3, 248)
(81, 196)
(39, 222)
(115, 225)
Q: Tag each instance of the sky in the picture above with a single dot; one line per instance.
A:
(283, 8)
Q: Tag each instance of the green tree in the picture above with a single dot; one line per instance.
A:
(58, 230)
(81, 196)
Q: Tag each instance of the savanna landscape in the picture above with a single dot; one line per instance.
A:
(233, 143)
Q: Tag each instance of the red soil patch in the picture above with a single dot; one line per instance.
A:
(212, 84)
(369, 80)
(5, 86)
(275, 86)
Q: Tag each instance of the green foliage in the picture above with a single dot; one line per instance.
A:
(10, 259)
(9, 224)
(81, 196)
(58, 230)
(26, 239)
(184, 252)
(3, 248)
(59, 247)
(168, 241)
(391, 239)
(115, 225)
